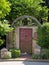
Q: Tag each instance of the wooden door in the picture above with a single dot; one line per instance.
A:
(26, 40)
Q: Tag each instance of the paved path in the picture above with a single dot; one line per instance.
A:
(23, 63)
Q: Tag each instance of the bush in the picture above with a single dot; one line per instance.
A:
(15, 53)
(1, 41)
(43, 36)
(45, 54)
(35, 56)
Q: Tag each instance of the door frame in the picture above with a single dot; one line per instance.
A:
(20, 37)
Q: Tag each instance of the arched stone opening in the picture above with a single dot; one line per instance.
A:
(23, 17)
(19, 30)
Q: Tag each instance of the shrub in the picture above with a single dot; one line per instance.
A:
(1, 41)
(43, 36)
(15, 53)
(45, 54)
(35, 56)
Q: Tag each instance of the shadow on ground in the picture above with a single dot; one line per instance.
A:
(35, 63)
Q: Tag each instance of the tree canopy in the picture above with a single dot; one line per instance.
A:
(4, 25)
(46, 3)
(4, 8)
(27, 7)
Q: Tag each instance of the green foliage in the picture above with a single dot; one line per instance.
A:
(43, 36)
(1, 41)
(35, 56)
(27, 7)
(15, 53)
(43, 14)
(5, 28)
(4, 8)
(46, 3)
(45, 54)
(4, 25)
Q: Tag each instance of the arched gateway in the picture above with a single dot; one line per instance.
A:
(25, 36)
(23, 17)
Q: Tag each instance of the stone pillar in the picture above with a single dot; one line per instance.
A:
(36, 48)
